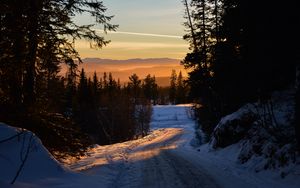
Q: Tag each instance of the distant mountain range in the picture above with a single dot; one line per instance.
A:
(131, 61)
(122, 69)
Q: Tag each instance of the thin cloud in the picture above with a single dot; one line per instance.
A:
(145, 45)
(133, 45)
(144, 34)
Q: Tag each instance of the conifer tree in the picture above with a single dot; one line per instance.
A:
(180, 90)
(173, 89)
(200, 59)
(95, 83)
(134, 86)
(234, 60)
(150, 88)
(105, 82)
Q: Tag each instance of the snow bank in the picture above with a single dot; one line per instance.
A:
(18, 146)
(263, 141)
(233, 127)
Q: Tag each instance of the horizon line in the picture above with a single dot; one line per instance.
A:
(149, 58)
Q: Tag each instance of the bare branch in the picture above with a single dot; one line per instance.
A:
(24, 157)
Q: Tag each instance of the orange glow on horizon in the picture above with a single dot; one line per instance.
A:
(160, 68)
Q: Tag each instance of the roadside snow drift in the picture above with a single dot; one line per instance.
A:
(19, 146)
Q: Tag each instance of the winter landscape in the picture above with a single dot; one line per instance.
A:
(149, 93)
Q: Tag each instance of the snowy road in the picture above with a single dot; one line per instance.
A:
(170, 170)
(153, 161)
(157, 165)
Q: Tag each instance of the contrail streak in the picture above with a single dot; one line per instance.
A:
(144, 34)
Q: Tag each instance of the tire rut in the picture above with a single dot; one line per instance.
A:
(189, 175)
(169, 170)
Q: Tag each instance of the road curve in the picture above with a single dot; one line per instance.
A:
(158, 163)
(159, 160)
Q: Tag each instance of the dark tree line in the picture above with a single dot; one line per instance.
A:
(178, 89)
(108, 112)
(242, 51)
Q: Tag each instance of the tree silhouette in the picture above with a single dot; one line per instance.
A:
(173, 89)
(36, 38)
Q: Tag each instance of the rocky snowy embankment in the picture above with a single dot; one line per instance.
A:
(260, 139)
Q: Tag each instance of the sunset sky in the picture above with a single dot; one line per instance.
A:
(147, 29)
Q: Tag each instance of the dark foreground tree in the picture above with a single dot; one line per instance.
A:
(36, 37)
(239, 56)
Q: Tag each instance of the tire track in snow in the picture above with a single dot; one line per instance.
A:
(168, 170)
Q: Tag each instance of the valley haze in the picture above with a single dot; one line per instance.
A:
(122, 69)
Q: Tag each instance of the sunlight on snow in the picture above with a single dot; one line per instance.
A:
(168, 127)
(136, 150)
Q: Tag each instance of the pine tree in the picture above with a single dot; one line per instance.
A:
(150, 88)
(200, 60)
(71, 89)
(233, 59)
(105, 83)
(82, 89)
(95, 84)
(112, 86)
(173, 89)
(180, 90)
(134, 86)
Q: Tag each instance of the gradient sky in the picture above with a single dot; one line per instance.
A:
(147, 29)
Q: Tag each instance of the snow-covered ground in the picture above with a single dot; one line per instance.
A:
(164, 158)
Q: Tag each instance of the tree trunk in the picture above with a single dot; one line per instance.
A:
(204, 34)
(297, 110)
(29, 81)
(217, 20)
(191, 25)
(15, 80)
